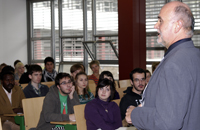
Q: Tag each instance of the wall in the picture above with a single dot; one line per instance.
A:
(13, 31)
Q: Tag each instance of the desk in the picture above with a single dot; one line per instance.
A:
(69, 125)
(19, 119)
(13, 114)
(127, 128)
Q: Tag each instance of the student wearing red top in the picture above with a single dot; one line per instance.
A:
(94, 66)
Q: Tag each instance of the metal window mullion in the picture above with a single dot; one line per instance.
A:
(85, 59)
(53, 30)
(60, 30)
(30, 51)
(60, 68)
(93, 20)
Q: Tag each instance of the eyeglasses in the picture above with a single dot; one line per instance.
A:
(66, 83)
(137, 80)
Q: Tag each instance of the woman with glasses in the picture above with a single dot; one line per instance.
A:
(101, 113)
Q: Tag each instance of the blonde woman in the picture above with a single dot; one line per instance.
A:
(19, 70)
(82, 89)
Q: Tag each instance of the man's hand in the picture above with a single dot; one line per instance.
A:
(72, 92)
(72, 117)
(18, 110)
(128, 114)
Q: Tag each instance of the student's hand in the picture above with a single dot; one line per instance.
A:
(72, 117)
(18, 110)
(128, 114)
(72, 92)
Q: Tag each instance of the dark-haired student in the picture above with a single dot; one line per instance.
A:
(109, 75)
(34, 88)
(10, 99)
(58, 103)
(101, 113)
(49, 73)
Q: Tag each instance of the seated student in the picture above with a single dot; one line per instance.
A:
(148, 76)
(58, 103)
(25, 78)
(2, 66)
(82, 88)
(133, 93)
(19, 70)
(75, 69)
(49, 73)
(108, 75)
(15, 62)
(82, 67)
(10, 98)
(34, 88)
(94, 66)
(101, 113)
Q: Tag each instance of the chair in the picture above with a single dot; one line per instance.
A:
(92, 85)
(117, 101)
(0, 124)
(23, 85)
(120, 91)
(32, 108)
(124, 83)
(116, 84)
(80, 117)
(49, 84)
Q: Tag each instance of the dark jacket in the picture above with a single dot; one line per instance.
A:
(30, 93)
(104, 115)
(51, 109)
(130, 98)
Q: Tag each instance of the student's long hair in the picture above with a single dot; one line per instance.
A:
(86, 89)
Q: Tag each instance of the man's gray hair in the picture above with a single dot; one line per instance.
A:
(184, 14)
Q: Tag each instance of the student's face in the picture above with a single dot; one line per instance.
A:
(108, 77)
(138, 82)
(20, 69)
(148, 76)
(65, 86)
(36, 77)
(8, 82)
(82, 81)
(76, 72)
(95, 68)
(104, 93)
(49, 67)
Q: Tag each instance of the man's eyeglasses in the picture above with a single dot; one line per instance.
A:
(65, 83)
(137, 80)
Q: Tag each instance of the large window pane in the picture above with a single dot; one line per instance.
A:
(195, 8)
(196, 40)
(73, 49)
(151, 41)
(154, 55)
(41, 19)
(107, 16)
(152, 10)
(41, 49)
(72, 17)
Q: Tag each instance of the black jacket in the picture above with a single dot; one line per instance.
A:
(30, 93)
(130, 98)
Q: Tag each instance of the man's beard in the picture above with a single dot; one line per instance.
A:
(64, 92)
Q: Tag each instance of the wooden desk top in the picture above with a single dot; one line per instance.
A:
(64, 122)
(13, 114)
